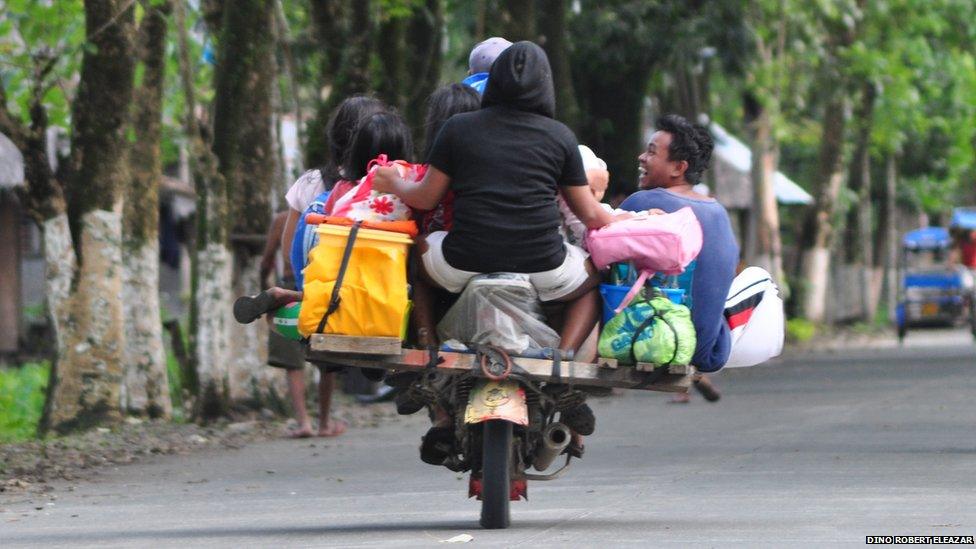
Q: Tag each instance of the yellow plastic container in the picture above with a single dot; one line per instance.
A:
(374, 291)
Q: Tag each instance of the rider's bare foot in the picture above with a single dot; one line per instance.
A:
(707, 389)
(576, 447)
(427, 338)
(680, 398)
(333, 428)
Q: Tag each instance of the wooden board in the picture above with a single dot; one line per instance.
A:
(601, 374)
(361, 345)
(678, 369)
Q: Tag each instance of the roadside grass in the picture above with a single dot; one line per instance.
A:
(175, 384)
(800, 330)
(22, 393)
(22, 400)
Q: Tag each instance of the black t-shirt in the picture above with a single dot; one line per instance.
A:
(505, 167)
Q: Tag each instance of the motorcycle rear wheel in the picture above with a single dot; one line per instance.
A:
(496, 474)
(972, 315)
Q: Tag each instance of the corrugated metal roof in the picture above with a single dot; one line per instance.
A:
(732, 167)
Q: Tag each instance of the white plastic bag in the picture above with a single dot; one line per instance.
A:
(500, 309)
(754, 312)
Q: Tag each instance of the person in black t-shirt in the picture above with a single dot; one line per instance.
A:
(506, 164)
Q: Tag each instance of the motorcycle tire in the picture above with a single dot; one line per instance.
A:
(496, 474)
(972, 316)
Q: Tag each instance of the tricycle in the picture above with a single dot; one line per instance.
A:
(963, 229)
(931, 290)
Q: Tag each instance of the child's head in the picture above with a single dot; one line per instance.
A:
(597, 176)
(342, 127)
(381, 133)
(445, 102)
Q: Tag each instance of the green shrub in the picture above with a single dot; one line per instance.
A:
(175, 379)
(22, 400)
(799, 330)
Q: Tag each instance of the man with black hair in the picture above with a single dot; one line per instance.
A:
(676, 156)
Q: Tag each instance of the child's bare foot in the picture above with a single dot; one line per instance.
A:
(304, 432)
(249, 308)
(333, 428)
(303, 429)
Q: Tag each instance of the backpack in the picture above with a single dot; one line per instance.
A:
(664, 243)
(305, 240)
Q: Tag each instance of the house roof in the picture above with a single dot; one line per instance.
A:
(732, 168)
(11, 164)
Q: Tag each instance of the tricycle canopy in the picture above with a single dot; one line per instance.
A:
(963, 218)
(927, 238)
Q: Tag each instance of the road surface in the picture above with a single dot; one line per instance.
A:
(813, 450)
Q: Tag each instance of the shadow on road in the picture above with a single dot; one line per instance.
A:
(437, 530)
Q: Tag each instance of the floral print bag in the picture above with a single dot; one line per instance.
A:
(362, 203)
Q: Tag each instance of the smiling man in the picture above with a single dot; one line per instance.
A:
(676, 156)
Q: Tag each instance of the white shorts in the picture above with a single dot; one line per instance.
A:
(551, 285)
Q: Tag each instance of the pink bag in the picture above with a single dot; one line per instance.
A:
(657, 243)
(362, 203)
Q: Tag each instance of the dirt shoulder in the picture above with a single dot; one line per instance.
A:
(30, 467)
(841, 338)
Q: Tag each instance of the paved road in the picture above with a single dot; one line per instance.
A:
(817, 450)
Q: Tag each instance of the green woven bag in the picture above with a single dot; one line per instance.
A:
(654, 330)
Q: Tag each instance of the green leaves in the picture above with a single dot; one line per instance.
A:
(41, 54)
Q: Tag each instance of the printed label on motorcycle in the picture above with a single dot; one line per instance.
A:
(497, 400)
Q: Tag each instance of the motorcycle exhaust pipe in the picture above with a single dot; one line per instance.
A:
(555, 439)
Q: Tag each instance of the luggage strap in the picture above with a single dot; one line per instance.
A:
(335, 299)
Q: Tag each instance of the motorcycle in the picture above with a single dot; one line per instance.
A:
(511, 417)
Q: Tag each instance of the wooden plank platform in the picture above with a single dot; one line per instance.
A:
(605, 373)
(677, 369)
(335, 343)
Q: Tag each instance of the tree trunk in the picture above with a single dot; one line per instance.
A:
(146, 387)
(211, 288)
(517, 21)
(763, 245)
(90, 366)
(409, 50)
(553, 37)
(330, 22)
(613, 128)
(819, 224)
(858, 241)
(60, 265)
(394, 83)
(346, 75)
(244, 146)
(425, 31)
(890, 230)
